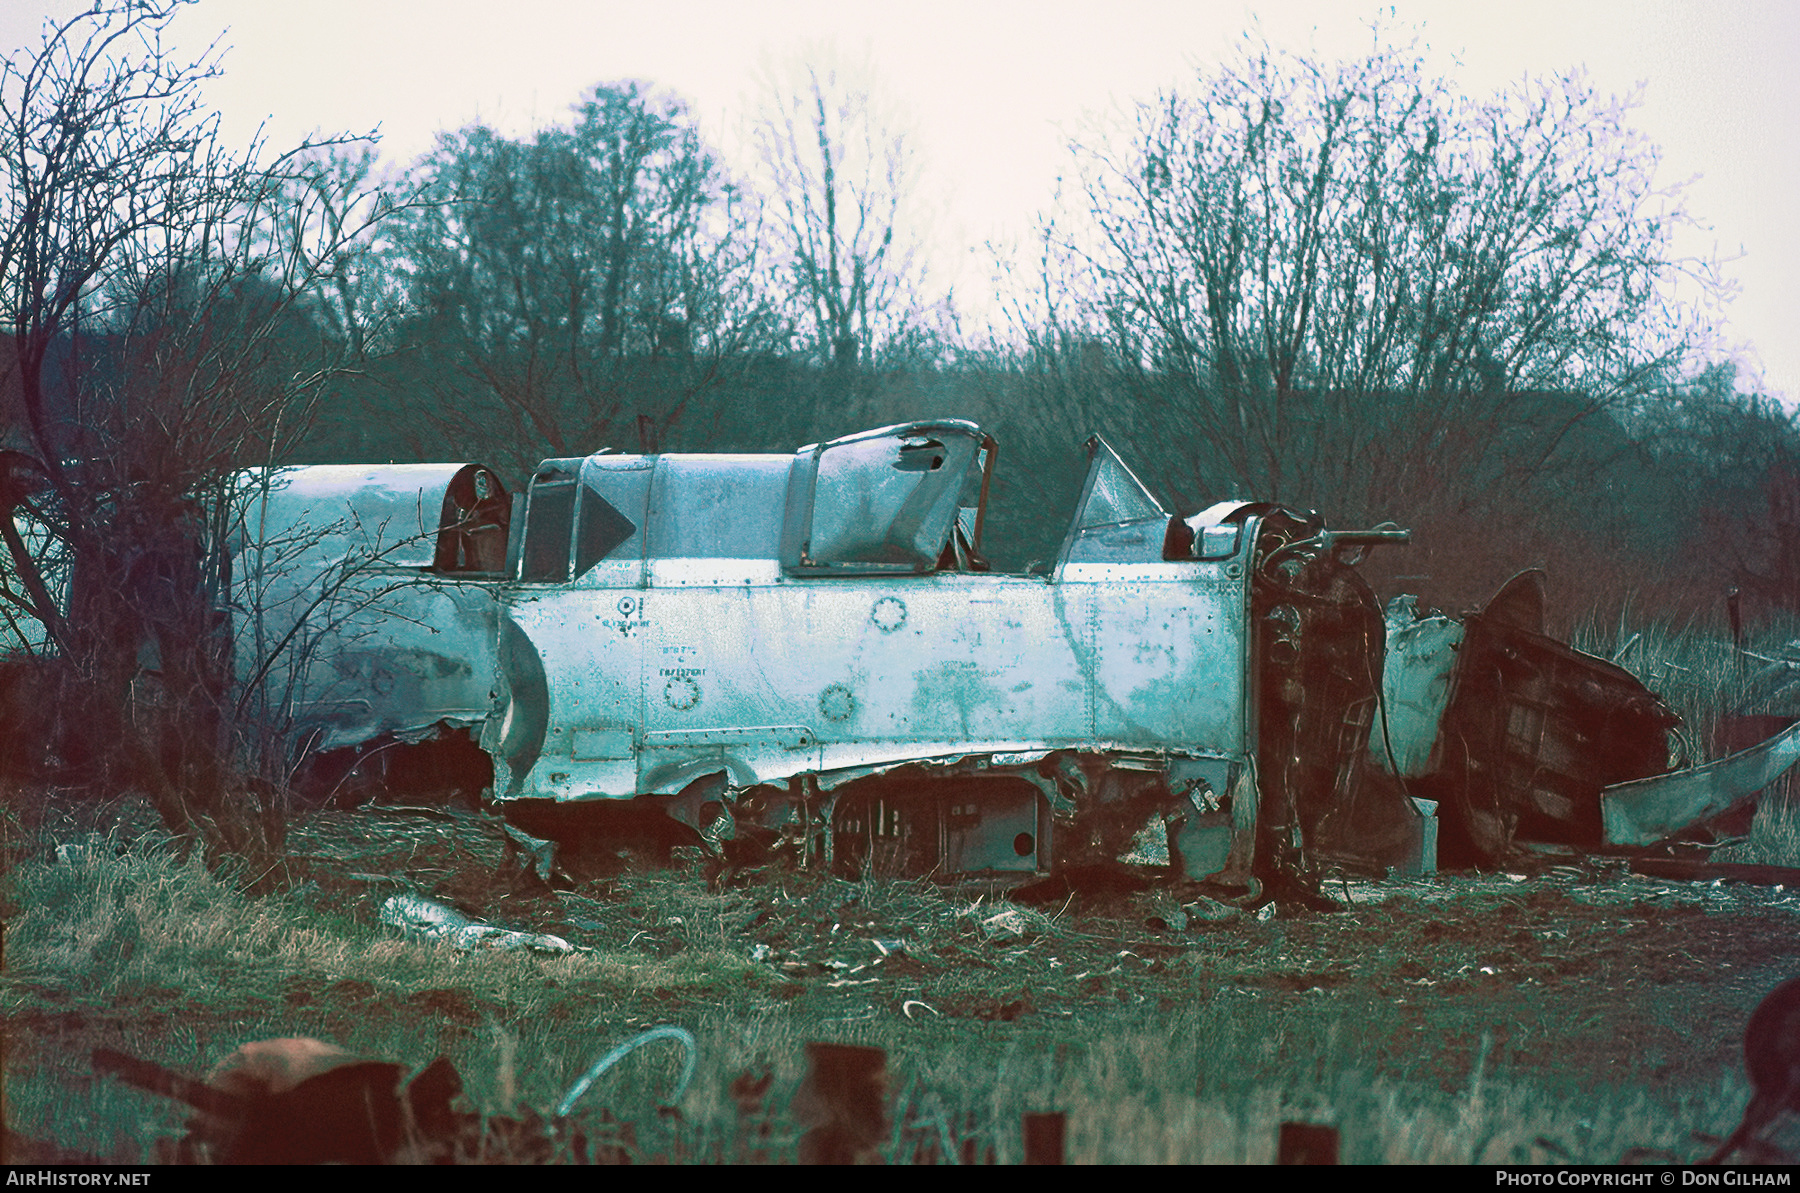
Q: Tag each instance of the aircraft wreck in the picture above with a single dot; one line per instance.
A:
(810, 650)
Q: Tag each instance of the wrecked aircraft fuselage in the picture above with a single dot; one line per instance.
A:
(813, 642)
(365, 603)
(809, 649)
(812, 645)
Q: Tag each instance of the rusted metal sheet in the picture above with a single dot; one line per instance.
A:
(1535, 729)
(1415, 685)
(426, 919)
(1646, 811)
(1540, 743)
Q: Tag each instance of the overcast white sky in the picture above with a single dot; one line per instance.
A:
(992, 86)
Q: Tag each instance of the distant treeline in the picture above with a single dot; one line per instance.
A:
(1661, 510)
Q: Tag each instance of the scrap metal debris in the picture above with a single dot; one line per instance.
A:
(680, 1035)
(1650, 810)
(1782, 878)
(426, 919)
(1531, 732)
(302, 1101)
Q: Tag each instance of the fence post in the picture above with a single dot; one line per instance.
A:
(1306, 1143)
(842, 1104)
(1044, 1137)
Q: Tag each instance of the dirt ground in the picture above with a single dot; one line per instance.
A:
(1573, 964)
(1574, 971)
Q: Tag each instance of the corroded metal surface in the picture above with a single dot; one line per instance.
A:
(352, 616)
(1536, 729)
(774, 678)
(816, 639)
(1415, 685)
(694, 647)
(811, 646)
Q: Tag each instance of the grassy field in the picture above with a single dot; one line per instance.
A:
(1578, 1014)
(1573, 1012)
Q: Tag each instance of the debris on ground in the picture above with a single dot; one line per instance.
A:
(426, 919)
(302, 1101)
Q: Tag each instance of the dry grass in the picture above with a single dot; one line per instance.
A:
(1774, 838)
(108, 921)
(1697, 672)
(126, 944)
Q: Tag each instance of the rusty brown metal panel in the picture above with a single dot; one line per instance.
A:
(1535, 729)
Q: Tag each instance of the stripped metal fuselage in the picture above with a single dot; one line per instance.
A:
(779, 642)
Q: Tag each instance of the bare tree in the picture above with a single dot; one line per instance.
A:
(840, 177)
(1345, 283)
(161, 294)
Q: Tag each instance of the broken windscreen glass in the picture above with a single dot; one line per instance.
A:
(1114, 493)
(1118, 520)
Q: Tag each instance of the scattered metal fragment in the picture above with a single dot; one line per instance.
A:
(1212, 910)
(541, 852)
(302, 1101)
(1646, 811)
(1005, 925)
(418, 916)
(681, 1035)
(1685, 870)
(1175, 920)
